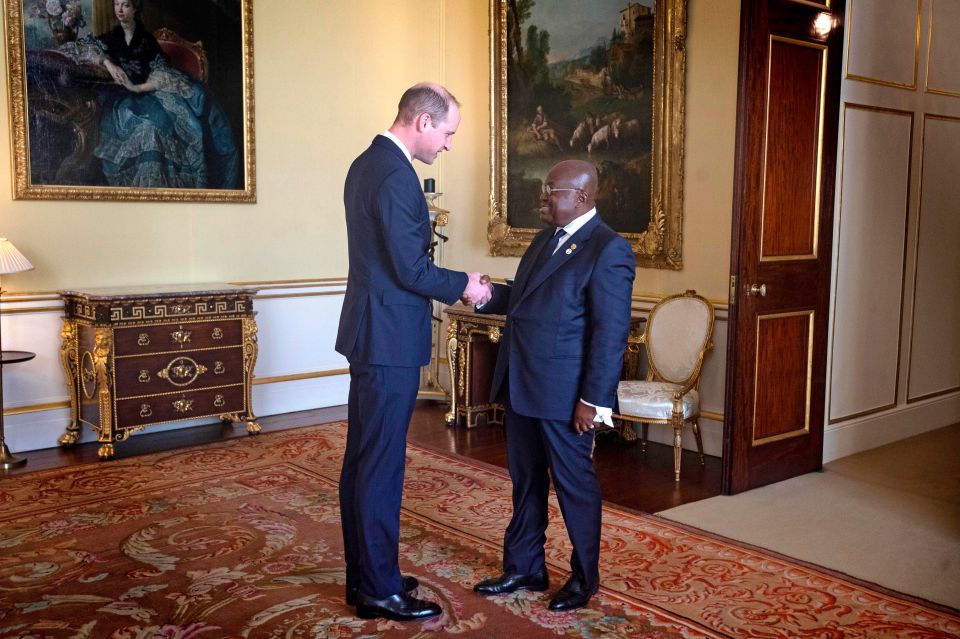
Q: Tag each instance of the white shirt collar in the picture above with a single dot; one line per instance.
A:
(577, 223)
(397, 141)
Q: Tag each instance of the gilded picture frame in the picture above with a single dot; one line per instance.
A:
(78, 133)
(582, 96)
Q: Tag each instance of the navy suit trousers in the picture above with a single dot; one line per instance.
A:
(536, 447)
(379, 408)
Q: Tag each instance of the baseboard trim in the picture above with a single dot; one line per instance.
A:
(877, 429)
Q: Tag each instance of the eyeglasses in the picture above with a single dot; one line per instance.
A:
(546, 190)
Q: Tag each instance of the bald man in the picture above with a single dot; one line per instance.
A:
(568, 315)
(385, 336)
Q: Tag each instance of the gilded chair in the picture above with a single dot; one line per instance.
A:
(678, 334)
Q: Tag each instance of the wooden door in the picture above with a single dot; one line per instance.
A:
(788, 105)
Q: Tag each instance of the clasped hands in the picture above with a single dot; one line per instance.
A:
(479, 289)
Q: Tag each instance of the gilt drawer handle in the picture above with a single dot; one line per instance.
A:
(218, 401)
(219, 368)
(144, 376)
(182, 371)
(183, 405)
(180, 336)
(145, 410)
(217, 333)
(143, 340)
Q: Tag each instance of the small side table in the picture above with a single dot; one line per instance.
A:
(8, 460)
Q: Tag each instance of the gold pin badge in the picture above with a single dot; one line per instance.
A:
(573, 247)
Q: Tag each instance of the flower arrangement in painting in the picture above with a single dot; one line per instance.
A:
(65, 17)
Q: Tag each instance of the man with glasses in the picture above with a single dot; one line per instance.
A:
(561, 350)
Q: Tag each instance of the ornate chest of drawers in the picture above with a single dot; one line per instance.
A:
(140, 356)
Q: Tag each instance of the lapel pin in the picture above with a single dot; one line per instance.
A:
(573, 247)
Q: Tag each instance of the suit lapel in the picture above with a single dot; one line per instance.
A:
(526, 270)
(565, 253)
(388, 144)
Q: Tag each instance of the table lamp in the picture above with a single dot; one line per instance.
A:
(11, 261)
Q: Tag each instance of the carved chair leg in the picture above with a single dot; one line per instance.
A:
(677, 450)
(696, 434)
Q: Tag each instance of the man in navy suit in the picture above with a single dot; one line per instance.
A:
(568, 315)
(385, 335)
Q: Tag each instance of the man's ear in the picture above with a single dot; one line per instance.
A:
(422, 121)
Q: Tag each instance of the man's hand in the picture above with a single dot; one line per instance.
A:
(477, 293)
(583, 418)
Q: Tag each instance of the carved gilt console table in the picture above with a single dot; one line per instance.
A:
(146, 355)
(472, 343)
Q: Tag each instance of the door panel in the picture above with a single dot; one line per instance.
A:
(791, 159)
(788, 107)
(782, 391)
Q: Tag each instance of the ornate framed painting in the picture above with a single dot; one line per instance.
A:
(598, 80)
(131, 100)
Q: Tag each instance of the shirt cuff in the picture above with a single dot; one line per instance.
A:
(604, 414)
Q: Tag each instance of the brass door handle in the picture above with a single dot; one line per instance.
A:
(757, 290)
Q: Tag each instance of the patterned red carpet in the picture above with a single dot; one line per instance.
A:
(242, 539)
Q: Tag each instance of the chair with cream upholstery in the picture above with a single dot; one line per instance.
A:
(677, 336)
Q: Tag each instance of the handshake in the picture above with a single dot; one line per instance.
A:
(479, 290)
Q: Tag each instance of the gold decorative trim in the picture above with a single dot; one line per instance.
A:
(297, 376)
(819, 161)
(903, 267)
(756, 364)
(916, 258)
(926, 73)
(864, 413)
(14, 299)
(660, 246)
(36, 408)
(176, 352)
(885, 83)
(23, 188)
(34, 309)
(825, 4)
(709, 414)
(301, 281)
(177, 392)
(288, 295)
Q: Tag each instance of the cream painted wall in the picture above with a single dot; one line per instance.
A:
(318, 104)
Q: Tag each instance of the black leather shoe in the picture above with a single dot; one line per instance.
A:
(399, 607)
(512, 582)
(410, 584)
(572, 595)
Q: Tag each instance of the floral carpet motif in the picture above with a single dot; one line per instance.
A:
(241, 539)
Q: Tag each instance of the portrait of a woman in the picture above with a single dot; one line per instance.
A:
(110, 105)
(159, 127)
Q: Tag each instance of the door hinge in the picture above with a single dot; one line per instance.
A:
(733, 290)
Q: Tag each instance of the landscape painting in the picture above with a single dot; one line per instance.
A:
(583, 79)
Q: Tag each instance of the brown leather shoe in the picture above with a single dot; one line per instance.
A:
(572, 595)
(399, 607)
(512, 582)
(410, 584)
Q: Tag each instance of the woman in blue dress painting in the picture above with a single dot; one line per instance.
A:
(159, 127)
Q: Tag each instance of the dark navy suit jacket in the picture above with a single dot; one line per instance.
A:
(386, 311)
(567, 323)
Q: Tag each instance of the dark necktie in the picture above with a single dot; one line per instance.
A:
(549, 249)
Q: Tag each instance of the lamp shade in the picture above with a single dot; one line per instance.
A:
(12, 260)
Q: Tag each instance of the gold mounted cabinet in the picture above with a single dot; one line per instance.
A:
(146, 355)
